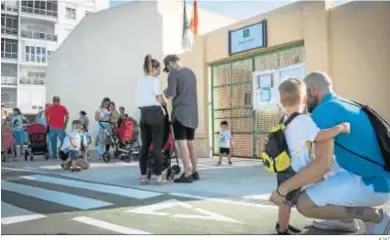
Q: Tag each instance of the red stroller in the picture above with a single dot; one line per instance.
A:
(168, 151)
(37, 145)
(125, 142)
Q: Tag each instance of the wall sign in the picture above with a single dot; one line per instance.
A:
(248, 38)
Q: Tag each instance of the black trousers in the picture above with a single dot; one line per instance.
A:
(152, 132)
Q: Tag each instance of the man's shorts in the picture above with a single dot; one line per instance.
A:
(182, 132)
(281, 177)
(345, 189)
(224, 151)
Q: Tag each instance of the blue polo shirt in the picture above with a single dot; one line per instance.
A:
(362, 140)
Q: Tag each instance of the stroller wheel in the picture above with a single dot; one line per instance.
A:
(149, 174)
(26, 155)
(176, 169)
(170, 176)
(47, 156)
(106, 157)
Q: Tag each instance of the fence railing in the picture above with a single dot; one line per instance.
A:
(9, 55)
(12, 31)
(32, 81)
(9, 104)
(9, 81)
(9, 8)
(38, 35)
(39, 11)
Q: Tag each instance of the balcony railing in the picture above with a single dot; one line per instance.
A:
(9, 55)
(8, 81)
(39, 35)
(8, 8)
(39, 11)
(32, 81)
(9, 104)
(11, 31)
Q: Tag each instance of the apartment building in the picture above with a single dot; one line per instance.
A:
(31, 31)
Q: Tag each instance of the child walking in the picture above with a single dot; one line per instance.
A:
(300, 131)
(225, 143)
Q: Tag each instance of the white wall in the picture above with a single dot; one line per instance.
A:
(103, 57)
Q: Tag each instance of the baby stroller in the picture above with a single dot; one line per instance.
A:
(107, 138)
(168, 151)
(37, 145)
(126, 143)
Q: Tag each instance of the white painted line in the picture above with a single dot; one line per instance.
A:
(19, 219)
(259, 196)
(109, 226)
(226, 201)
(201, 213)
(95, 165)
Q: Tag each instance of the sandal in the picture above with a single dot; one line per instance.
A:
(160, 179)
(143, 180)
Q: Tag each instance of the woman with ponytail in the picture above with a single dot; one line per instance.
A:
(149, 101)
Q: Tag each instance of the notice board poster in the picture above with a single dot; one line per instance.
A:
(266, 83)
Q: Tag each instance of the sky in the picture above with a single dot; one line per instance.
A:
(232, 9)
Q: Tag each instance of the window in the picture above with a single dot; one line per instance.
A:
(35, 54)
(246, 33)
(49, 53)
(9, 24)
(9, 48)
(71, 13)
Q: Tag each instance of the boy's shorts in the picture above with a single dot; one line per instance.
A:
(74, 154)
(224, 151)
(281, 177)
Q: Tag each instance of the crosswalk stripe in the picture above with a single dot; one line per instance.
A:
(96, 165)
(11, 214)
(109, 226)
(126, 192)
(54, 196)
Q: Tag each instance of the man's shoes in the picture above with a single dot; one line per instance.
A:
(195, 176)
(381, 228)
(183, 179)
(350, 226)
(291, 229)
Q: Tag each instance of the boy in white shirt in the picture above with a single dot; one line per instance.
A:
(225, 143)
(72, 145)
(299, 134)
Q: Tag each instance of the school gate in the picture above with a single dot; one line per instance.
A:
(231, 95)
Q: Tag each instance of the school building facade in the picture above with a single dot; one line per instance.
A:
(349, 42)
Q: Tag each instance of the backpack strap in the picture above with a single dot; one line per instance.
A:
(357, 104)
(289, 120)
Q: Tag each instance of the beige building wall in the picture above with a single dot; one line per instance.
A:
(350, 42)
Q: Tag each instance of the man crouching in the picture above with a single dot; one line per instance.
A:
(70, 149)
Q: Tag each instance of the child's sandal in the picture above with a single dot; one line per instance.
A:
(143, 180)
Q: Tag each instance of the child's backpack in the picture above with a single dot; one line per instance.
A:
(276, 157)
(382, 132)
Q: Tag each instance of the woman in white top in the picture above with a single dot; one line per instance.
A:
(149, 101)
(102, 114)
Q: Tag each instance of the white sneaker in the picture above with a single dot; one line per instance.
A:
(345, 226)
(382, 228)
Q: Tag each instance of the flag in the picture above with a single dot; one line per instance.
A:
(187, 36)
(194, 19)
